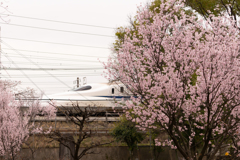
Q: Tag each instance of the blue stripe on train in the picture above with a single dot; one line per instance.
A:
(125, 97)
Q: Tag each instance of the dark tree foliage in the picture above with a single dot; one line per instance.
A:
(126, 131)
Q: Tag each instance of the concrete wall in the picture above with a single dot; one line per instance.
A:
(102, 153)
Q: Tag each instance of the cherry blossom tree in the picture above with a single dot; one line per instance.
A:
(16, 125)
(12, 129)
(183, 73)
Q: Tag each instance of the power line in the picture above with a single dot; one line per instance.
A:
(81, 24)
(41, 83)
(47, 76)
(75, 72)
(54, 58)
(51, 69)
(62, 74)
(79, 74)
(58, 30)
(25, 74)
(48, 64)
(56, 53)
(45, 71)
(53, 43)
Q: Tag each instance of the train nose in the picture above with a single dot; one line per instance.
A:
(45, 97)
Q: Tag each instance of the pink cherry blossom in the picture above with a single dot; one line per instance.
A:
(16, 125)
(159, 70)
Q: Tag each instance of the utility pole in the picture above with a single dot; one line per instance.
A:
(0, 55)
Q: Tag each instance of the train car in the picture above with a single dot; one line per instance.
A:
(102, 96)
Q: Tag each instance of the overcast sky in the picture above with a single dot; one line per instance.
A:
(30, 43)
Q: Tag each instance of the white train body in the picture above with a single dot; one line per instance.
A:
(100, 95)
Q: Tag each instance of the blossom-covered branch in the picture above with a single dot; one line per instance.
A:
(184, 75)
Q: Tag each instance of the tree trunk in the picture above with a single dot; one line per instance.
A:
(64, 152)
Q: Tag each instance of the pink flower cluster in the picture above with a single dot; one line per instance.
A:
(185, 77)
(15, 124)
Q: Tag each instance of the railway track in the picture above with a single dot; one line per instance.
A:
(63, 119)
(92, 132)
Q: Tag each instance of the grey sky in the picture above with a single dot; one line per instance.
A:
(108, 13)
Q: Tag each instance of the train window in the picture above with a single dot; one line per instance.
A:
(112, 90)
(121, 89)
(83, 88)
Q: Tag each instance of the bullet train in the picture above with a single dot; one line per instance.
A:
(103, 96)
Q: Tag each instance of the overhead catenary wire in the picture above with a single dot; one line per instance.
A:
(54, 58)
(76, 45)
(79, 74)
(53, 64)
(52, 69)
(38, 76)
(40, 83)
(63, 74)
(61, 64)
(58, 30)
(58, 72)
(25, 75)
(81, 24)
(45, 71)
(58, 53)
(47, 76)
